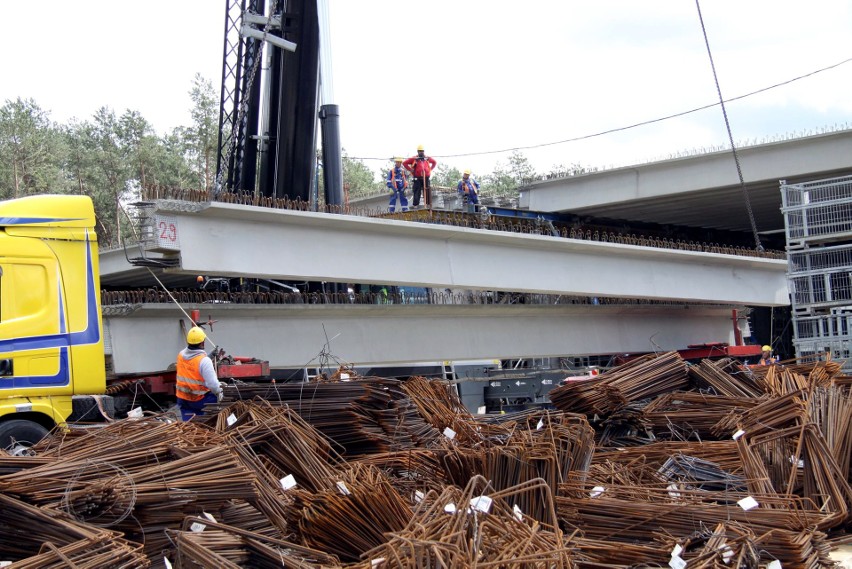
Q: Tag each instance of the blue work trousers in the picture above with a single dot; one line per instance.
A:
(403, 201)
(189, 409)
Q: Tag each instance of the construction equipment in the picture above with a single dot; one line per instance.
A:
(52, 365)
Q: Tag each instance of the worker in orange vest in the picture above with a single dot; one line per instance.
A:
(766, 358)
(197, 383)
(468, 188)
(397, 183)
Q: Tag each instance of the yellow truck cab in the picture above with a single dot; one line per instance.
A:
(51, 341)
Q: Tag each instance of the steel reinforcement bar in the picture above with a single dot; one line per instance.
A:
(462, 219)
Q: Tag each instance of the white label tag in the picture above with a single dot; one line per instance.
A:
(197, 526)
(481, 503)
(418, 496)
(673, 490)
(450, 508)
(738, 434)
(5, 563)
(341, 486)
(135, 413)
(288, 482)
(677, 550)
(747, 503)
(597, 491)
(167, 563)
(377, 561)
(677, 563)
(480, 410)
(344, 376)
(774, 564)
(727, 554)
(519, 515)
(231, 419)
(540, 425)
(449, 433)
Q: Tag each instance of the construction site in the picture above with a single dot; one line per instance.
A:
(576, 378)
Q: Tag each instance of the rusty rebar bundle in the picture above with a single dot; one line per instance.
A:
(643, 378)
(720, 466)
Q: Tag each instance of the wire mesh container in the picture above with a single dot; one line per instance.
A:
(819, 211)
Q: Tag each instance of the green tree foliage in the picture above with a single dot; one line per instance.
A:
(111, 157)
(359, 178)
(508, 177)
(565, 171)
(202, 136)
(31, 149)
(446, 176)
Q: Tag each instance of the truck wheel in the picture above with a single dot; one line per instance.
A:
(18, 435)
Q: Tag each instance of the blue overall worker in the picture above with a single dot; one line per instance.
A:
(468, 188)
(397, 182)
(197, 383)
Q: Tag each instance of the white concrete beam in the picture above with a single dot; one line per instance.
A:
(146, 338)
(818, 155)
(229, 240)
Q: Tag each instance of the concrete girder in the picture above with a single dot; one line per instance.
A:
(234, 240)
(146, 338)
(701, 190)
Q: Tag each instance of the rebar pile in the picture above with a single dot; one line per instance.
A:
(643, 378)
(228, 546)
(37, 538)
(475, 527)
(441, 409)
(363, 497)
(362, 417)
(690, 415)
(727, 378)
(720, 466)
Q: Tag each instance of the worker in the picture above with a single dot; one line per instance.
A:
(766, 358)
(397, 182)
(421, 167)
(468, 188)
(197, 383)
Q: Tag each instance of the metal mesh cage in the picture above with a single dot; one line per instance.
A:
(818, 226)
(817, 211)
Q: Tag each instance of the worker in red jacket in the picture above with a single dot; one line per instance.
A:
(421, 167)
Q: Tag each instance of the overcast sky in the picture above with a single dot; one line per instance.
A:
(468, 76)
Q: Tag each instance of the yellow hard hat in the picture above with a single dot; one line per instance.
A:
(419, 148)
(467, 172)
(398, 159)
(767, 348)
(195, 335)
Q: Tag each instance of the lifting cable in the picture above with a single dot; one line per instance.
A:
(757, 243)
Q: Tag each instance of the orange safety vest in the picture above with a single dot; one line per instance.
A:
(393, 179)
(190, 382)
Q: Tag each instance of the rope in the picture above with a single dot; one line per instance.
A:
(757, 244)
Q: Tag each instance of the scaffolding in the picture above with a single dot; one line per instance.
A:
(818, 228)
